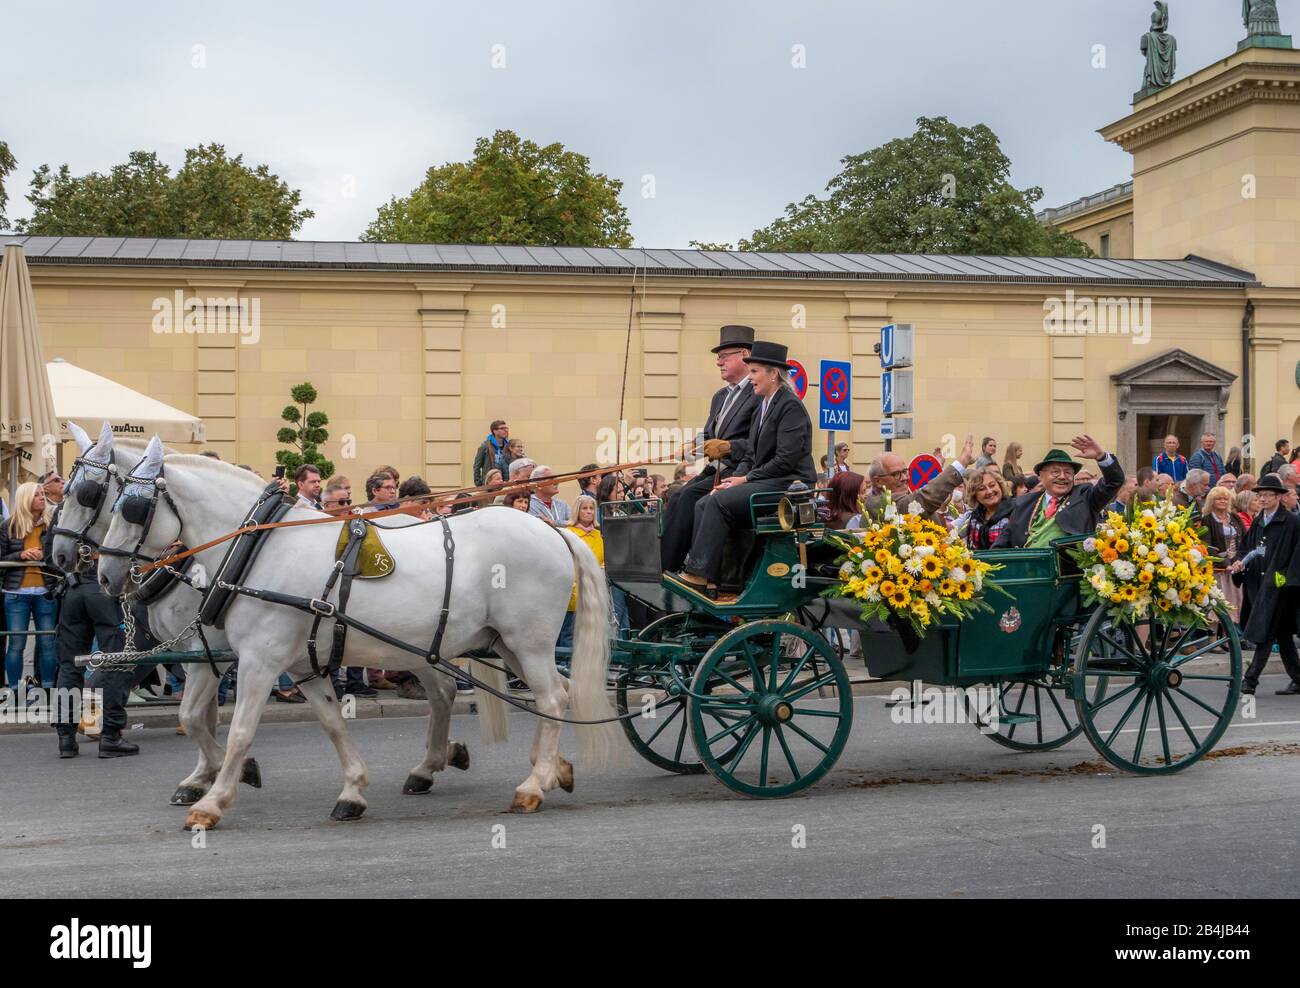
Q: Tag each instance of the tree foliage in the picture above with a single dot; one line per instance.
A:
(944, 190)
(7, 165)
(513, 191)
(212, 196)
(305, 433)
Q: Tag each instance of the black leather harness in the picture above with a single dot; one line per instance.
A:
(243, 551)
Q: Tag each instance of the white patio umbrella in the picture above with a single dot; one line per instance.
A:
(88, 399)
(29, 428)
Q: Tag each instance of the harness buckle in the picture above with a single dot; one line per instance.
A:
(322, 607)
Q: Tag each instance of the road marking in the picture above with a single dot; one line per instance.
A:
(1206, 727)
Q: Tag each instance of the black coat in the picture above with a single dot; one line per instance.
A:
(781, 449)
(11, 550)
(735, 425)
(1077, 514)
(1281, 540)
(983, 529)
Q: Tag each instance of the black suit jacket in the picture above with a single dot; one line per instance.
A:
(735, 425)
(1077, 514)
(781, 448)
(1281, 540)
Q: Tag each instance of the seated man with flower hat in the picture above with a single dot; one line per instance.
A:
(1056, 508)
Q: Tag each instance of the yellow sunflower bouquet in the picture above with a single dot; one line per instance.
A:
(1150, 561)
(903, 567)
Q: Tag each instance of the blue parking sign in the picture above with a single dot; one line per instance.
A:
(835, 402)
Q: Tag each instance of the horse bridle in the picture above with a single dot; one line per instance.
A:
(139, 509)
(92, 494)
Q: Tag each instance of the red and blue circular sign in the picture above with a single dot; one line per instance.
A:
(922, 470)
(835, 385)
(799, 378)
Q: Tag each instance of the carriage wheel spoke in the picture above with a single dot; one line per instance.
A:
(762, 765)
(774, 657)
(1196, 744)
(681, 740)
(1112, 698)
(667, 720)
(818, 683)
(1164, 730)
(1051, 694)
(805, 712)
(1124, 720)
(1116, 645)
(1038, 712)
(1024, 689)
(743, 747)
(1199, 702)
(731, 682)
(755, 671)
(752, 718)
(798, 668)
(1203, 675)
(807, 737)
(789, 758)
(1142, 730)
(1183, 659)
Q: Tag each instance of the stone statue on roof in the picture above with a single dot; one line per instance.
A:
(1261, 17)
(1160, 47)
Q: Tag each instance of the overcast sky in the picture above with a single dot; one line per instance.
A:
(352, 101)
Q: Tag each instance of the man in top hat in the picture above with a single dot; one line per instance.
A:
(1056, 508)
(777, 452)
(729, 416)
(1269, 567)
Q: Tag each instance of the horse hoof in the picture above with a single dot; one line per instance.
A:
(186, 795)
(200, 820)
(526, 802)
(251, 774)
(459, 756)
(566, 775)
(345, 811)
(414, 786)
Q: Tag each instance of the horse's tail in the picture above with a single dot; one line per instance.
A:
(493, 725)
(590, 669)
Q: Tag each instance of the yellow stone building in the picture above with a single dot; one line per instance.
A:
(416, 348)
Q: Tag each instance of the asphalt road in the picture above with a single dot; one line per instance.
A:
(934, 810)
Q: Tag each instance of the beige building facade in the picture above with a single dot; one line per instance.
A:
(416, 348)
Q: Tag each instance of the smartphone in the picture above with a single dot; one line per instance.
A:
(279, 471)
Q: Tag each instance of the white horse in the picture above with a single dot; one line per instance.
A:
(174, 612)
(511, 583)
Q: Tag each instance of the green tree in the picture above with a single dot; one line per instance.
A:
(305, 435)
(7, 165)
(944, 190)
(212, 196)
(512, 192)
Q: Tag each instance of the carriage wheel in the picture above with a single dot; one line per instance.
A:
(764, 732)
(1046, 697)
(661, 739)
(1161, 674)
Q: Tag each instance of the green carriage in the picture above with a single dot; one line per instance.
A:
(756, 691)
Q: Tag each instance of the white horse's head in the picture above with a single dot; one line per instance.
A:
(83, 514)
(144, 522)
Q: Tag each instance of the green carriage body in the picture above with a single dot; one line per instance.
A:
(1039, 648)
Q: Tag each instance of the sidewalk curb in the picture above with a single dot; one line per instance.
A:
(165, 714)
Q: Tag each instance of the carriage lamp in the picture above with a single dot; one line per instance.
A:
(798, 509)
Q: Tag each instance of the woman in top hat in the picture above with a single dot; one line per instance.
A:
(777, 452)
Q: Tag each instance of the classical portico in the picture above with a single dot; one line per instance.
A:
(1174, 393)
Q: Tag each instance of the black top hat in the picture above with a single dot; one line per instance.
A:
(771, 354)
(1272, 483)
(734, 336)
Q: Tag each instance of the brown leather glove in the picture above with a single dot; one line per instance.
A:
(717, 449)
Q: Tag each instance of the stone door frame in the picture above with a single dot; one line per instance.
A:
(1174, 382)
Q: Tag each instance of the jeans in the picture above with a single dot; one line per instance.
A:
(20, 609)
(620, 609)
(566, 632)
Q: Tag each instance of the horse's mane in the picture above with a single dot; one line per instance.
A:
(207, 464)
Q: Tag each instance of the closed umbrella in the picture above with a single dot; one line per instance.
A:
(29, 430)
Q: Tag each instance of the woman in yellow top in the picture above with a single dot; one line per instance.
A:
(584, 527)
(22, 539)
